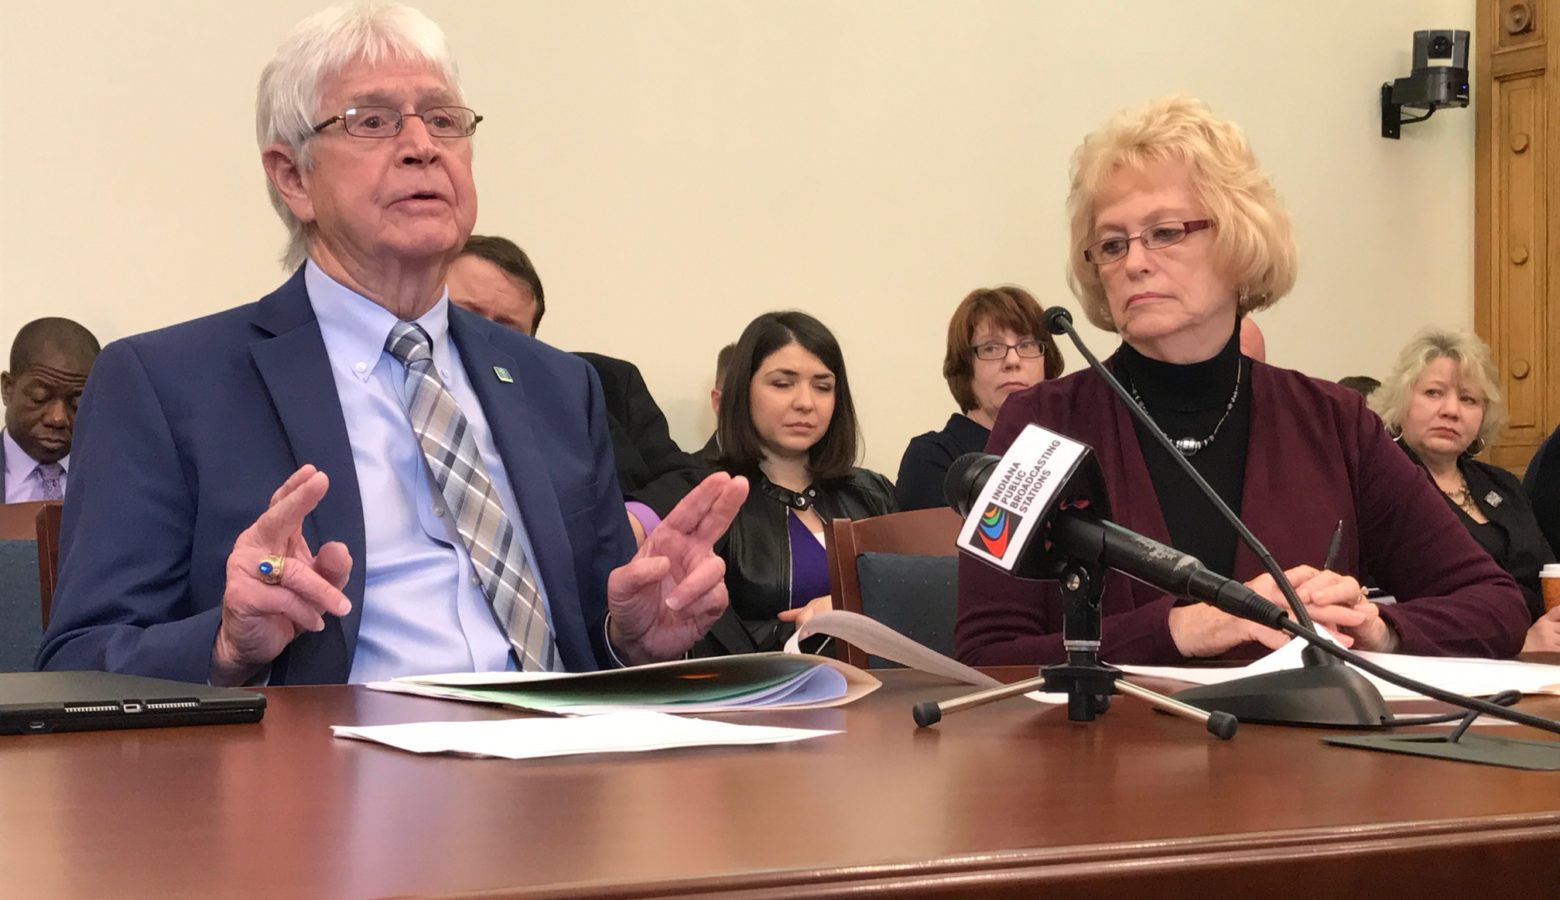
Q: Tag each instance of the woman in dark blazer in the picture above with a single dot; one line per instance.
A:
(1443, 404)
(997, 347)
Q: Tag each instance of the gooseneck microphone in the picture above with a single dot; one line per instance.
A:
(1058, 321)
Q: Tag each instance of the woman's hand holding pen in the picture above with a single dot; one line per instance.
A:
(1336, 602)
(1333, 600)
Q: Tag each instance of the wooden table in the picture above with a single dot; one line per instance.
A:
(1010, 799)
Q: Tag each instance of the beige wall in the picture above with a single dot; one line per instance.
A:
(676, 168)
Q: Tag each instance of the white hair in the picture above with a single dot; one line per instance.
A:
(287, 106)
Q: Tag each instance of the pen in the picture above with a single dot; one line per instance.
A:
(1332, 547)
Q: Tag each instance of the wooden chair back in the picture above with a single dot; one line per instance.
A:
(47, 525)
(19, 521)
(918, 533)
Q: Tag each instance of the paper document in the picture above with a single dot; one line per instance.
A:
(722, 684)
(530, 738)
(1470, 677)
(877, 639)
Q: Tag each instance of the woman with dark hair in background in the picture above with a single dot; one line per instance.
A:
(787, 422)
(996, 347)
(1443, 404)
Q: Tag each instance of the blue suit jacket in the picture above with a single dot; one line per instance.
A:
(184, 433)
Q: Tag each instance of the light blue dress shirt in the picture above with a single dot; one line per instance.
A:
(22, 480)
(423, 607)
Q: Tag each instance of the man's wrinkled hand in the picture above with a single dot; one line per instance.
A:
(672, 591)
(258, 619)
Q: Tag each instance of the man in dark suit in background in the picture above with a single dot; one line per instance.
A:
(494, 278)
(349, 480)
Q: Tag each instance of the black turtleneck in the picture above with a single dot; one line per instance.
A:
(1187, 401)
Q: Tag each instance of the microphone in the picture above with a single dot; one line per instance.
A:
(1057, 320)
(1077, 530)
(1039, 516)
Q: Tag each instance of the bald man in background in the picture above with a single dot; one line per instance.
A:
(1252, 344)
(50, 359)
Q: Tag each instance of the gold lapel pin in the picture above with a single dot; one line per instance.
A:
(503, 375)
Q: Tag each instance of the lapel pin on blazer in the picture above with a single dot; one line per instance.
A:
(1492, 498)
(503, 375)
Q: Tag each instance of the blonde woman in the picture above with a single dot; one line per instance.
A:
(1443, 404)
(1177, 234)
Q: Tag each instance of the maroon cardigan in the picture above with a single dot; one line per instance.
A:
(1315, 455)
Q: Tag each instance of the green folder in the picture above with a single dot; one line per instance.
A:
(749, 681)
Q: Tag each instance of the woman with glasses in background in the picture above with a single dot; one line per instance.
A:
(1176, 235)
(996, 348)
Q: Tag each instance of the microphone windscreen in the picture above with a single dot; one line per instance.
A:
(1056, 319)
(965, 479)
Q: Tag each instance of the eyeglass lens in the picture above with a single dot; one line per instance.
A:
(384, 121)
(1154, 237)
(1028, 349)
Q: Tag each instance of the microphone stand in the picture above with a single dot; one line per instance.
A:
(1087, 682)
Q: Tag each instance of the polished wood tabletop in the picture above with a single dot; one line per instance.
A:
(1009, 799)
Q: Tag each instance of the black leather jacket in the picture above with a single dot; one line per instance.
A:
(757, 551)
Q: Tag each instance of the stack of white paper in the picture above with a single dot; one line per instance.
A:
(530, 738)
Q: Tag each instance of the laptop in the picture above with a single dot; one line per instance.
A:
(42, 702)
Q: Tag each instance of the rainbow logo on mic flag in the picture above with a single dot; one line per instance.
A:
(995, 530)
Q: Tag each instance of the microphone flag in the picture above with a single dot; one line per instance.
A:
(1023, 490)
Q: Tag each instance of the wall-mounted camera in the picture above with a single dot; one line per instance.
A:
(1439, 80)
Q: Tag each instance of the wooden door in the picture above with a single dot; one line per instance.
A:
(1515, 247)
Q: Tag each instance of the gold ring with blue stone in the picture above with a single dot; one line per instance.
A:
(270, 569)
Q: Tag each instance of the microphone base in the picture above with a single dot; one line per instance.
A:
(1322, 696)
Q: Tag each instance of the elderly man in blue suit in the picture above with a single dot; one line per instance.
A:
(350, 479)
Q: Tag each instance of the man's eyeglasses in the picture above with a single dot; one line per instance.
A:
(386, 121)
(1154, 237)
(1028, 349)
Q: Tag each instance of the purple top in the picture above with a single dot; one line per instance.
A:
(809, 563)
(646, 516)
(1315, 455)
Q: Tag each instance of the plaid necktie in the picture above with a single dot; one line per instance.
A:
(49, 475)
(452, 456)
